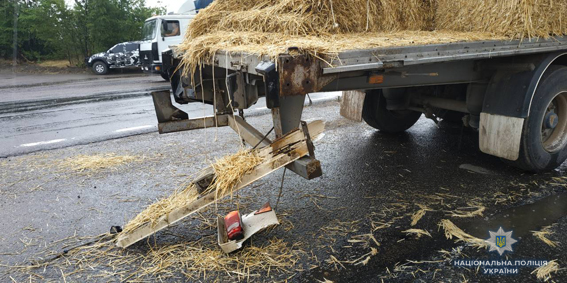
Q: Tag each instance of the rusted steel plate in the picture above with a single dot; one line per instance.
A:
(298, 74)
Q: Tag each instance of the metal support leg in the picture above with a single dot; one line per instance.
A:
(287, 118)
(165, 111)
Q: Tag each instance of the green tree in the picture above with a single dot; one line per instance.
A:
(48, 29)
(7, 13)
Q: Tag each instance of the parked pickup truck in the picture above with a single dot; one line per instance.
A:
(513, 92)
(121, 55)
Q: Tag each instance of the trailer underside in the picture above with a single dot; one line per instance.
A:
(491, 83)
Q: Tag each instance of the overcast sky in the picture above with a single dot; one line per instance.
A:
(172, 5)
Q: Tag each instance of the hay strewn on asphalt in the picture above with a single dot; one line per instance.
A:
(199, 260)
(473, 210)
(202, 259)
(82, 163)
(270, 27)
(542, 235)
(451, 230)
(544, 272)
(419, 214)
(417, 232)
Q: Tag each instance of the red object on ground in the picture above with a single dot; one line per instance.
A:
(265, 208)
(233, 224)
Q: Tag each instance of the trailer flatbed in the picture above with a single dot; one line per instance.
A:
(390, 57)
(497, 86)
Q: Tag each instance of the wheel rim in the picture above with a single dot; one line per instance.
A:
(99, 68)
(554, 125)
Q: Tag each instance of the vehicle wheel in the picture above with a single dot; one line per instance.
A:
(544, 137)
(376, 115)
(100, 68)
(165, 76)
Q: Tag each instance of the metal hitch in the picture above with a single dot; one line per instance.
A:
(172, 119)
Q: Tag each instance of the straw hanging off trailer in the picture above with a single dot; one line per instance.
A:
(513, 91)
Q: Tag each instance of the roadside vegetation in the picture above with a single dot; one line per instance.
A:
(40, 30)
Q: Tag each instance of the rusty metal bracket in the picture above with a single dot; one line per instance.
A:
(308, 140)
(298, 74)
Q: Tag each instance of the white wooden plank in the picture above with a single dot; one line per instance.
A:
(351, 105)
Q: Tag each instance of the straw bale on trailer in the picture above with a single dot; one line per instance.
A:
(312, 17)
(269, 27)
(511, 18)
(514, 18)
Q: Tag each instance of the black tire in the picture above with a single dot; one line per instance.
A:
(100, 68)
(165, 76)
(537, 152)
(376, 115)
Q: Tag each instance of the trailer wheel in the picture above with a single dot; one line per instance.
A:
(376, 115)
(100, 68)
(544, 138)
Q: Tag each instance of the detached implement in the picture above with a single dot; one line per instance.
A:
(279, 153)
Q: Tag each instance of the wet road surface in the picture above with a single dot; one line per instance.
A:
(74, 88)
(39, 112)
(347, 226)
(34, 126)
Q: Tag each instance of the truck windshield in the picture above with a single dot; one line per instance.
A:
(149, 30)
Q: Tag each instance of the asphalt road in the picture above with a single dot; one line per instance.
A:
(350, 225)
(72, 110)
(17, 88)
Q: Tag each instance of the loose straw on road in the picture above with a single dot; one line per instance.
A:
(542, 235)
(544, 272)
(417, 233)
(419, 214)
(451, 230)
(473, 210)
(96, 162)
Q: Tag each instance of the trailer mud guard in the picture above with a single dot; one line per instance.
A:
(508, 101)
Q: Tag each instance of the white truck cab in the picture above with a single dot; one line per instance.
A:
(158, 33)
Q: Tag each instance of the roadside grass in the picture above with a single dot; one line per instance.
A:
(55, 63)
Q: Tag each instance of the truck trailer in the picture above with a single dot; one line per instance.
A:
(513, 91)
